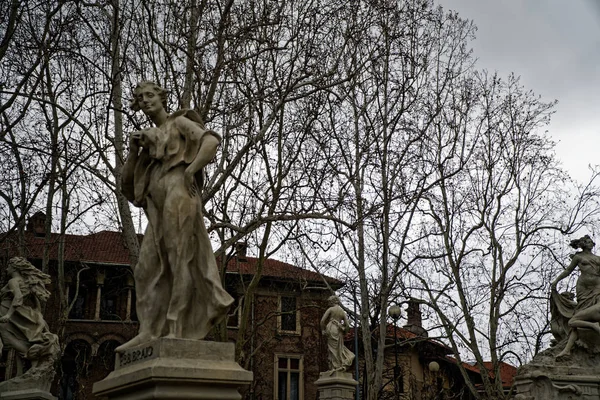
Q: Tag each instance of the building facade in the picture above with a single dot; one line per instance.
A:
(93, 312)
(282, 342)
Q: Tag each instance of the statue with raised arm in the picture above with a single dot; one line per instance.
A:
(585, 312)
(334, 326)
(178, 287)
(23, 328)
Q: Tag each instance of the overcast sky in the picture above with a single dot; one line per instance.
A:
(554, 46)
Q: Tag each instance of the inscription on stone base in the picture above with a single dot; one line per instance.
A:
(134, 355)
(169, 369)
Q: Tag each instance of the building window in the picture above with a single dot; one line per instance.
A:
(288, 320)
(113, 298)
(234, 317)
(79, 309)
(289, 380)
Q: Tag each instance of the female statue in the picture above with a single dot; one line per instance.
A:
(334, 325)
(22, 325)
(586, 312)
(178, 287)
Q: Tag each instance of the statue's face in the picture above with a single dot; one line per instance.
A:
(149, 100)
(10, 269)
(587, 243)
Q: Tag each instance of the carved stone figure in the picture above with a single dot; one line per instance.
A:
(22, 326)
(566, 371)
(178, 288)
(561, 309)
(585, 313)
(334, 325)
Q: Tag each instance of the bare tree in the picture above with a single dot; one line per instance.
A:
(494, 226)
(412, 61)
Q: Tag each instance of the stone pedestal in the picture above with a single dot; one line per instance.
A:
(28, 394)
(336, 386)
(170, 369)
(552, 377)
(558, 387)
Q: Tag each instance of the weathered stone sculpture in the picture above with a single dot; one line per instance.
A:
(22, 327)
(586, 311)
(336, 384)
(178, 288)
(571, 367)
(334, 325)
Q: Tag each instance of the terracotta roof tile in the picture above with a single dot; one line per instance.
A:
(108, 247)
(507, 371)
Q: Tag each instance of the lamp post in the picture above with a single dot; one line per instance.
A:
(394, 312)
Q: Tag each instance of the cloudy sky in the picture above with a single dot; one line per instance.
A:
(554, 46)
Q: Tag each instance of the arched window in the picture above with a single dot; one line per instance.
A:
(105, 358)
(74, 365)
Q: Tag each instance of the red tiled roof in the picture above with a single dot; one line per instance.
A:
(467, 366)
(101, 247)
(507, 371)
(277, 269)
(108, 247)
(403, 334)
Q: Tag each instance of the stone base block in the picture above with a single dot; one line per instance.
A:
(170, 369)
(336, 386)
(557, 387)
(28, 394)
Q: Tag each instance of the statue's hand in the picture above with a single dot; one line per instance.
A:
(17, 301)
(190, 183)
(134, 140)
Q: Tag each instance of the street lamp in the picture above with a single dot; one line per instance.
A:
(394, 312)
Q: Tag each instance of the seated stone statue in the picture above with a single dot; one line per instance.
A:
(22, 326)
(334, 325)
(585, 313)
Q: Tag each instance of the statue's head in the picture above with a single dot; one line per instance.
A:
(333, 300)
(32, 276)
(147, 86)
(20, 264)
(584, 242)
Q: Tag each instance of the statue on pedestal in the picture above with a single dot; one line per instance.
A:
(585, 312)
(23, 328)
(178, 287)
(571, 367)
(334, 325)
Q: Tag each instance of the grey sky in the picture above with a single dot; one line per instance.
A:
(554, 46)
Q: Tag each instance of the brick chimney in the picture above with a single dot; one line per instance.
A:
(37, 224)
(240, 251)
(414, 319)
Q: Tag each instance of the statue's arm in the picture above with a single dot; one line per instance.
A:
(17, 300)
(127, 173)
(346, 324)
(566, 272)
(208, 144)
(325, 319)
(206, 151)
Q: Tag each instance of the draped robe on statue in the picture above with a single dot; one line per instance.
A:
(176, 277)
(26, 327)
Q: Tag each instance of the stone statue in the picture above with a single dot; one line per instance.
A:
(561, 309)
(178, 287)
(334, 325)
(566, 371)
(22, 326)
(585, 313)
